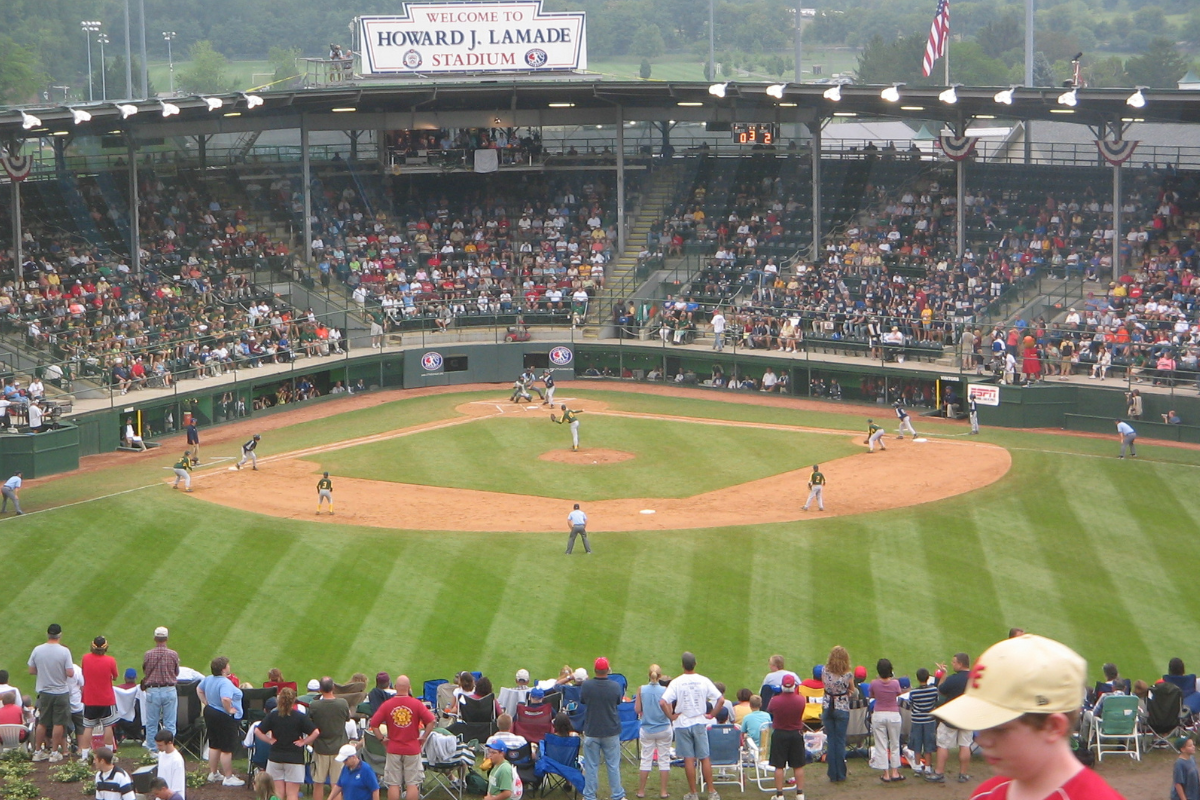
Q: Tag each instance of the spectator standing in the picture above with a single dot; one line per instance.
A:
(600, 697)
(685, 702)
(160, 673)
(170, 763)
(99, 700)
(51, 663)
(222, 701)
(839, 684)
(330, 714)
(1023, 701)
(885, 722)
(922, 738)
(948, 736)
(408, 724)
(1128, 436)
(1185, 780)
(112, 782)
(357, 780)
(288, 731)
(655, 735)
(787, 737)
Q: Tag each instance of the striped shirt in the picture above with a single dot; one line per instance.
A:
(922, 700)
(114, 785)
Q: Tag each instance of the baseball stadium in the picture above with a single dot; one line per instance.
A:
(326, 380)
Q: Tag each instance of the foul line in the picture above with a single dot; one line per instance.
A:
(81, 502)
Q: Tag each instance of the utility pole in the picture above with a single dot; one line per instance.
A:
(145, 66)
(799, 72)
(128, 56)
(103, 40)
(712, 64)
(169, 35)
(90, 26)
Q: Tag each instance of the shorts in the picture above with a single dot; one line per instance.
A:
(53, 709)
(222, 730)
(376, 329)
(787, 749)
(325, 767)
(691, 742)
(948, 738)
(95, 716)
(290, 773)
(923, 737)
(401, 770)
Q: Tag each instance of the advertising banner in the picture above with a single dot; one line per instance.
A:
(985, 394)
(444, 38)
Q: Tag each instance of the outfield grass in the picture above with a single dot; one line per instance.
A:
(673, 459)
(1073, 543)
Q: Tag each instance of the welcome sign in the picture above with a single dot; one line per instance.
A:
(432, 38)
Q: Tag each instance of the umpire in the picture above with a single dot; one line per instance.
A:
(578, 521)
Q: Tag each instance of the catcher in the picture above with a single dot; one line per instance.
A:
(520, 390)
(569, 416)
(816, 488)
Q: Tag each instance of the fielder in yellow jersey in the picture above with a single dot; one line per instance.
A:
(183, 471)
(324, 492)
(816, 488)
(874, 436)
(570, 416)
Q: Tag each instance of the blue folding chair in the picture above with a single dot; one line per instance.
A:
(725, 752)
(429, 695)
(572, 704)
(631, 732)
(766, 693)
(558, 764)
(621, 679)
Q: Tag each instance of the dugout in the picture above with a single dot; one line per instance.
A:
(40, 454)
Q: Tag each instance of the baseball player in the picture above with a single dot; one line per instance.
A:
(548, 380)
(569, 416)
(193, 441)
(816, 488)
(578, 521)
(529, 378)
(248, 453)
(973, 414)
(183, 471)
(520, 391)
(874, 436)
(1128, 437)
(905, 421)
(325, 492)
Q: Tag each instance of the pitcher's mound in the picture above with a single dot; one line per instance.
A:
(585, 456)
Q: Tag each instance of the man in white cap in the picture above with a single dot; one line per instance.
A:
(357, 781)
(1023, 698)
(160, 673)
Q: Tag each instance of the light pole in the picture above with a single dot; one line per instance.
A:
(168, 36)
(89, 26)
(103, 40)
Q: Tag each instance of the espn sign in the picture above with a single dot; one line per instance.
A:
(985, 394)
(442, 38)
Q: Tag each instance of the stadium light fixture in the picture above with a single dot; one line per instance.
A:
(892, 93)
(169, 109)
(912, 108)
(1070, 98)
(252, 100)
(29, 121)
(685, 104)
(833, 93)
(127, 110)
(213, 103)
(718, 89)
(1137, 99)
(950, 96)
(560, 105)
(1005, 97)
(776, 90)
(80, 115)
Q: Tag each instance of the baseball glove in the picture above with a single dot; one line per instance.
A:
(866, 441)
(554, 417)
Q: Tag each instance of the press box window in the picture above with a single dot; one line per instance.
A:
(455, 364)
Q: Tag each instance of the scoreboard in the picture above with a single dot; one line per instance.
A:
(755, 132)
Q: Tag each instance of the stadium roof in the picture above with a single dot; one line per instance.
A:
(516, 103)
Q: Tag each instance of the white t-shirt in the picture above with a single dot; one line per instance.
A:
(35, 417)
(691, 694)
(172, 770)
(718, 323)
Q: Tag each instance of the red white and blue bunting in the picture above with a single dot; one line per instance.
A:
(17, 166)
(1116, 152)
(957, 148)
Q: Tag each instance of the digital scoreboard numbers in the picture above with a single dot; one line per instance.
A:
(755, 132)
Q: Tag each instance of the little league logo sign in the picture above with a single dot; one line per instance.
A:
(431, 362)
(561, 356)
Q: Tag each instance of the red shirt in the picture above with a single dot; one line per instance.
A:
(787, 711)
(404, 717)
(11, 715)
(1086, 785)
(99, 672)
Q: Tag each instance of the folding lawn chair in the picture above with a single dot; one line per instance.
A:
(258, 752)
(573, 706)
(443, 701)
(10, 737)
(533, 722)
(254, 703)
(430, 694)
(725, 753)
(476, 718)
(374, 753)
(189, 721)
(756, 758)
(1117, 728)
(446, 767)
(522, 760)
(631, 732)
(559, 766)
(1164, 709)
(617, 677)
(766, 693)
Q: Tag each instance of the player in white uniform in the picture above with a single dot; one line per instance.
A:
(905, 421)
(973, 412)
(548, 380)
(519, 391)
(248, 453)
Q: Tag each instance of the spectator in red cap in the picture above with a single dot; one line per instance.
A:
(602, 731)
(787, 737)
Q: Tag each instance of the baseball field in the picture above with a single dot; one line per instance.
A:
(446, 549)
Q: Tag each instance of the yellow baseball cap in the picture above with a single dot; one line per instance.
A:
(1025, 675)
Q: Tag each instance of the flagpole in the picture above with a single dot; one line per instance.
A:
(947, 58)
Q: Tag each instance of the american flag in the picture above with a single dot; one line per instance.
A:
(939, 36)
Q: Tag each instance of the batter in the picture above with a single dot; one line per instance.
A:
(548, 380)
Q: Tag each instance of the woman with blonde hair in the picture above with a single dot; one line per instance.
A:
(288, 731)
(264, 787)
(655, 731)
(839, 683)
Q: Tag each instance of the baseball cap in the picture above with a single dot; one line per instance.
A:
(497, 744)
(601, 664)
(314, 685)
(345, 752)
(160, 632)
(580, 674)
(537, 694)
(130, 674)
(788, 683)
(54, 630)
(523, 675)
(1026, 675)
(860, 673)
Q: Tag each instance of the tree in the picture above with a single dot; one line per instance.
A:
(644, 69)
(647, 42)
(1108, 72)
(1151, 19)
(1161, 66)
(1001, 36)
(20, 76)
(1190, 32)
(283, 59)
(971, 66)
(206, 72)
(890, 62)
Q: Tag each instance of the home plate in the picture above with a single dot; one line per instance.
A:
(921, 440)
(647, 511)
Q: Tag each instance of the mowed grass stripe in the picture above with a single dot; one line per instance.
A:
(651, 629)
(783, 584)
(902, 583)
